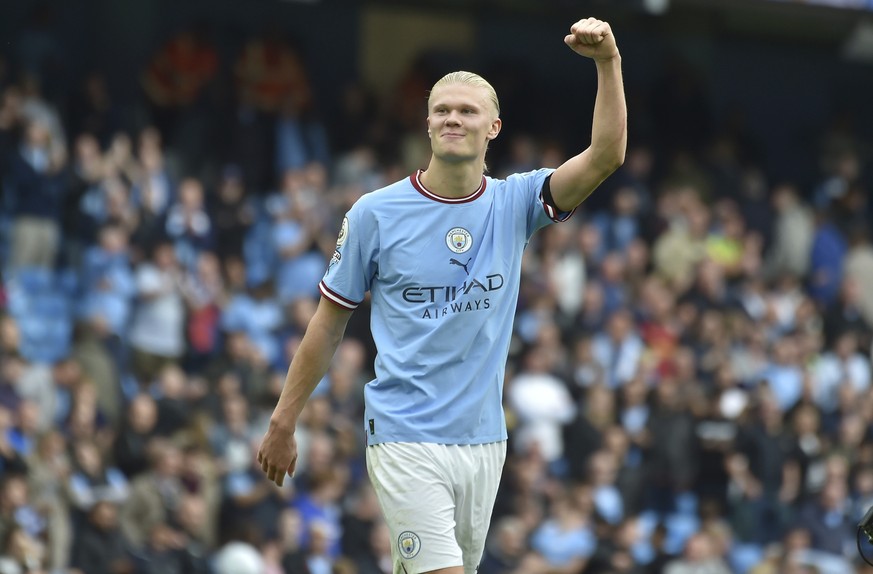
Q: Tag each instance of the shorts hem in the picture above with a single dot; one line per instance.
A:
(430, 567)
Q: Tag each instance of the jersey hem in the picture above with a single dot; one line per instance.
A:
(372, 441)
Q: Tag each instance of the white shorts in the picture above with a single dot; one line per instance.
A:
(437, 500)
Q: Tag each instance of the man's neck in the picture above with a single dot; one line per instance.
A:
(452, 180)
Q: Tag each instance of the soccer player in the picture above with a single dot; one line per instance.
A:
(440, 253)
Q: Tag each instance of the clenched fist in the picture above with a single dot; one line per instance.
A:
(592, 38)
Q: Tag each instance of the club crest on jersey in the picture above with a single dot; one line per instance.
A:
(343, 233)
(459, 240)
(409, 544)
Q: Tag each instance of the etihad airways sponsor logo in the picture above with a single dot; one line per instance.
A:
(448, 293)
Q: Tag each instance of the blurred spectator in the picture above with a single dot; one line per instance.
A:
(676, 252)
(230, 212)
(542, 404)
(92, 481)
(829, 249)
(139, 427)
(792, 236)
(859, 267)
(844, 365)
(602, 475)
(17, 511)
(295, 235)
(205, 297)
(35, 188)
(317, 555)
(360, 519)
(378, 559)
(506, 547)
(157, 335)
(699, 556)
(173, 411)
(585, 433)
(188, 225)
(22, 552)
(662, 557)
(108, 288)
(319, 502)
(154, 495)
(668, 447)
(99, 545)
(195, 541)
(258, 314)
(829, 521)
(250, 501)
(153, 190)
(566, 537)
(120, 159)
(231, 438)
(620, 225)
(617, 350)
(161, 553)
(625, 550)
(784, 376)
(845, 314)
(84, 206)
(287, 547)
(37, 108)
(11, 456)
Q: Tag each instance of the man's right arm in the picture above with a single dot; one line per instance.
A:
(278, 452)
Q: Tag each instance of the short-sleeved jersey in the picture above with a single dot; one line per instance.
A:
(444, 277)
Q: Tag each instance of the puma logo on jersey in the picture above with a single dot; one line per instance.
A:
(454, 261)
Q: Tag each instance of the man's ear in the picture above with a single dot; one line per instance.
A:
(495, 128)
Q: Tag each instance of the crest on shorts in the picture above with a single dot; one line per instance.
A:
(409, 544)
(459, 240)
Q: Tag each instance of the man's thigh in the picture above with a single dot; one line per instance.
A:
(474, 501)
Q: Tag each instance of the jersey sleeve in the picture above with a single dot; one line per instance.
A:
(534, 191)
(354, 263)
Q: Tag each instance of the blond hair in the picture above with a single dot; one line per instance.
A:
(467, 79)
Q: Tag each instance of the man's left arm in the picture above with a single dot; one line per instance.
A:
(580, 175)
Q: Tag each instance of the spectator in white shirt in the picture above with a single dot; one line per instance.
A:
(844, 365)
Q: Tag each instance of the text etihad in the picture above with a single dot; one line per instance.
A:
(448, 293)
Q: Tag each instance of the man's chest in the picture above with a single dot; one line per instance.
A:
(448, 251)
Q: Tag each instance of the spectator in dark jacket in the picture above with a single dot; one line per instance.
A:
(99, 546)
(36, 187)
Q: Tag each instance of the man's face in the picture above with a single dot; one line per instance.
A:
(461, 121)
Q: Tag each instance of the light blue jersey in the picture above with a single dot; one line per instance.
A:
(444, 277)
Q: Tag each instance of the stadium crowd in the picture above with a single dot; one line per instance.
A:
(688, 389)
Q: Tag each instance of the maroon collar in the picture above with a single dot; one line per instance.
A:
(415, 179)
